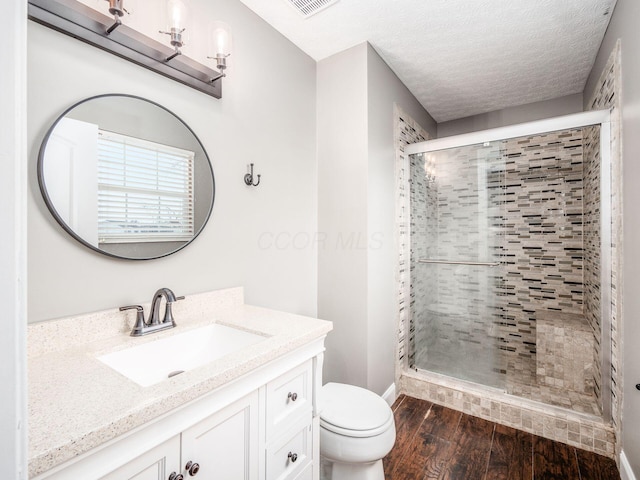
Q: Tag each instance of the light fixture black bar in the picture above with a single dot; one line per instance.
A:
(84, 23)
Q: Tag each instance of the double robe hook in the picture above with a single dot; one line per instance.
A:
(248, 178)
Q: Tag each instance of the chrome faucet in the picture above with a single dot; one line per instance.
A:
(154, 324)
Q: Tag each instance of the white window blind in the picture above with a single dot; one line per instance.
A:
(145, 190)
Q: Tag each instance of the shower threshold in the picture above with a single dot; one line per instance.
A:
(467, 386)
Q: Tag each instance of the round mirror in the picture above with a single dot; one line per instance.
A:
(126, 177)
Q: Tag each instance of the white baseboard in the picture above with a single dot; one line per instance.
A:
(625, 468)
(390, 396)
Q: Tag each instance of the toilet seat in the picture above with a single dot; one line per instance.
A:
(353, 411)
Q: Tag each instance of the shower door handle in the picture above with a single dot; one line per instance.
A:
(454, 262)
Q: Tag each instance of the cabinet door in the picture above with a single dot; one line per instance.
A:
(156, 464)
(225, 445)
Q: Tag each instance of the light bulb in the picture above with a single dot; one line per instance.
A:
(220, 36)
(176, 14)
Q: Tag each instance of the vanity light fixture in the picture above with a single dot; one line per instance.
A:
(176, 15)
(109, 33)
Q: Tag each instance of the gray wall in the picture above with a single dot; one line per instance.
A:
(342, 212)
(267, 116)
(384, 89)
(356, 213)
(513, 115)
(624, 26)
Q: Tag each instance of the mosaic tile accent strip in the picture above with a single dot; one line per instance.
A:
(607, 95)
(582, 431)
(406, 131)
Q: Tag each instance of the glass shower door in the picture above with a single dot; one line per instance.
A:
(456, 211)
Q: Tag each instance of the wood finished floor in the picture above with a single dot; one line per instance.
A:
(435, 442)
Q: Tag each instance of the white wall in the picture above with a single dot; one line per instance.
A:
(624, 26)
(512, 115)
(13, 268)
(356, 213)
(266, 116)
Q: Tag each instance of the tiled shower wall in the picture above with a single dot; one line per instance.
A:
(607, 96)
(542, 250)
(423, 234)
(591, 234)
(406, 131)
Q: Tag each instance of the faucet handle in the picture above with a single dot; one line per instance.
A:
(168, 313)
(140, 323)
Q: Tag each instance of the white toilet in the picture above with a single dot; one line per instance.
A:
(356, 431)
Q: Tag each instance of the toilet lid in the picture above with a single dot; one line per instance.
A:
(348, 407)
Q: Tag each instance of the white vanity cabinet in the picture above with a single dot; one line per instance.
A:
(262, 426)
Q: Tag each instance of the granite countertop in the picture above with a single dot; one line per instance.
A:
(77, 403)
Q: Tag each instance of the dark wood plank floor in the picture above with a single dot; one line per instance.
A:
(434, 442)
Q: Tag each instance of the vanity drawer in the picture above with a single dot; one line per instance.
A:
(287, 458)
(289, 398)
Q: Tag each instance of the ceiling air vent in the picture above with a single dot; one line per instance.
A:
(306, 8)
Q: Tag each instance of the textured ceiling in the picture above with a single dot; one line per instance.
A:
(460, 57)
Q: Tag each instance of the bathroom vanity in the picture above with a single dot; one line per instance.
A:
(249, 414)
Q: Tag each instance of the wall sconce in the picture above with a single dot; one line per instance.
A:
(109, 33)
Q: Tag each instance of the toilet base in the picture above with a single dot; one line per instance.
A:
(356, 471)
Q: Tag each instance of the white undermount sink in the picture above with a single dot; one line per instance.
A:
(155, 361)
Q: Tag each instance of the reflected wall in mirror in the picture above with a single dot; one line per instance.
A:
(126, 177)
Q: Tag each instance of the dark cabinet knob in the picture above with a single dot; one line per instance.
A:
(638, 386)
(292, 396)
(176, 476)
(192, 468)
(293, 457)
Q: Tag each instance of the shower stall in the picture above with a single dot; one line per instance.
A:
(509, 236)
